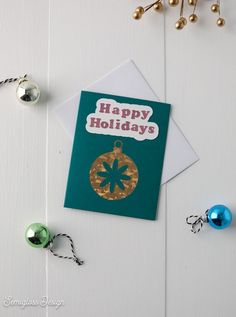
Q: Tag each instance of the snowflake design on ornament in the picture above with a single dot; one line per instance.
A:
(113, 175)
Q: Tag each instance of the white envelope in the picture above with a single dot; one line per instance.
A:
(126, 80)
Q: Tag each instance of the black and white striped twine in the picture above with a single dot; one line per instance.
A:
(74, 257)
(11, 80)
(196, 222)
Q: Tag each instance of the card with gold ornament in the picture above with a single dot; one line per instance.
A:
(117, 157)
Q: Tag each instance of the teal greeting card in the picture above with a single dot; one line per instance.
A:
(118, 155)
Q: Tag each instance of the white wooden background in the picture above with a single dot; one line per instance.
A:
(133, 268)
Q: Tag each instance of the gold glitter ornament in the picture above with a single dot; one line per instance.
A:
(114, 175)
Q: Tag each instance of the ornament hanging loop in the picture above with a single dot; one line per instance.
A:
(73, 258)
(21, 79)
(118, 145)
(38, 235)
(218, 217)
(196, 222)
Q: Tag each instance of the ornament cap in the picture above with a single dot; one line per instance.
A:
(118, 145)
(23, 78)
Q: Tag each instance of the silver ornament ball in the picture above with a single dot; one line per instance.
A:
(27, 92)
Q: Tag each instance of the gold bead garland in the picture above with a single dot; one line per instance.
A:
(215, 8)
(193, 17)
(182, 21)
(139, 11)
(180, 24)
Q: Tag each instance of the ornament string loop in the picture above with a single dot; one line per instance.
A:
(218, 217)
(118, 144)
(11, 80)
(196, 222)
(38, 235)
(73, 258)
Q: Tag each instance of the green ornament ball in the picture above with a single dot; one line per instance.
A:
(37, 235)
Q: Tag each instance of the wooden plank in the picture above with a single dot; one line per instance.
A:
(23, 32)
(201, 85)
(124, 271)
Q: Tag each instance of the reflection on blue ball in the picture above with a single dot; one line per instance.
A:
(219, 217)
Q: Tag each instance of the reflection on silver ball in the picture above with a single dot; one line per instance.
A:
(27, 92)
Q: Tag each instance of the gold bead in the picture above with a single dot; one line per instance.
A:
(193, 18)
(179, 25)
(173, 3)
(158, 6)
(191, 2)
(215, 8)
(220, 22)
(137, 15)
(184, 20)
(139, 10)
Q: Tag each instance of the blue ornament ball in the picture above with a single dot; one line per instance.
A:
(219, 217)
